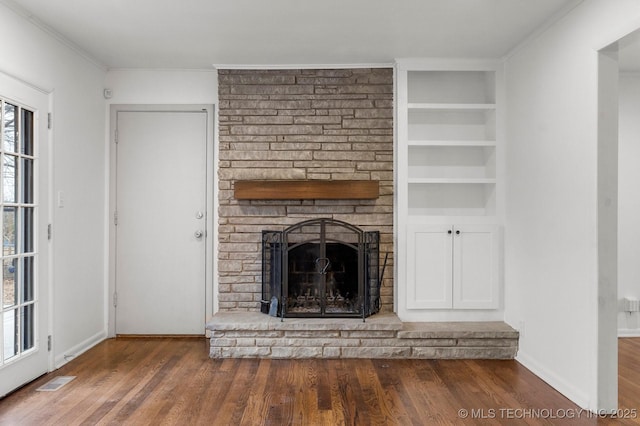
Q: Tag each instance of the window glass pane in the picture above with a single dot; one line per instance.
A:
(9, 183)
(27, 181)
(27, 279)
(27, 326)
(9, 231)
(10, 130)
(9, 288)
(27, 132)
(27, 230)
(10, 328)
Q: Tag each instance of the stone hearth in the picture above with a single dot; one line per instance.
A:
(255, 335)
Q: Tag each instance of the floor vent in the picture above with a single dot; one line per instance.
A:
(55, 384)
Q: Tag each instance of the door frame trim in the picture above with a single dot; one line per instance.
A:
(210, 203)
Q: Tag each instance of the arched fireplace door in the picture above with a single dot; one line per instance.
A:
(320, 268)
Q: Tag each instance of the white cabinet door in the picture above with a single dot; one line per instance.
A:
(475, 267)
(452, 267)
(430, 267)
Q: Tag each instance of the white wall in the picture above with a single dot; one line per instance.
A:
(629, 200)
(147, 86)
(33, 56)
(551, 247)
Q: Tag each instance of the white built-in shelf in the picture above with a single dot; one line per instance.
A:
(455, 124)
(451, 164)
(449, 174)
(451, 107)
(448, 132)
(452, 180)
(452, 143)
(432, 197)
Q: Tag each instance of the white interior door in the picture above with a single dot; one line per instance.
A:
(161, 222)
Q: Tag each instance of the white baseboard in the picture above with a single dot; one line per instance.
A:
(558, 383)
(629, 332)
(70, 353)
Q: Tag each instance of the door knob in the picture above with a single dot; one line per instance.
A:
(198, 234)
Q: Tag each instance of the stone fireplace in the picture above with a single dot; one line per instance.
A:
(331, 125)
(286, 129)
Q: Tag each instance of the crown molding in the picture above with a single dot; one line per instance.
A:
(160, 69)
(51, 32)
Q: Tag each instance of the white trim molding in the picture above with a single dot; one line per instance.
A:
(79, 349)
(298, 66)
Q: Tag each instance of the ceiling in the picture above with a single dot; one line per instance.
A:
(200, 33)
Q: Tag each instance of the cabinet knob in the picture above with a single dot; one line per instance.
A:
(457, 232)
(449, 232)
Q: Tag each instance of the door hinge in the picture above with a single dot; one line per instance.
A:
(49, 120)
(115, 299)
(49, 232)
(116, 136)
(115, 218)
(49, 343)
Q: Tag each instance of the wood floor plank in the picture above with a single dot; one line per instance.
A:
(174, 382)
(441, 405)
(237, 393)
(395, 394)
(129, 382)
(160, 394)
(380, 410)
(257, 395)
(338, 408)
(324, 386)
(301, 402)
(349, 392)
(221, 376)
(186, 389)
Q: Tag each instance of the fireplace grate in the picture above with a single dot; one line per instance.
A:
(320, 268)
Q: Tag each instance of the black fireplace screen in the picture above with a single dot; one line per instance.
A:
(320, 268)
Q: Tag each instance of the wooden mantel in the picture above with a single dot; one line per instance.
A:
(306, 189)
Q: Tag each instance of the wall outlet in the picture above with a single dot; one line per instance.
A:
(631, 304)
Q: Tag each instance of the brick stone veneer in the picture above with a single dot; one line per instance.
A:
(300, 124)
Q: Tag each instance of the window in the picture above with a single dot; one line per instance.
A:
(18, 199)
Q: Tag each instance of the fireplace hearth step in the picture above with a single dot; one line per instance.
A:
(255, 335)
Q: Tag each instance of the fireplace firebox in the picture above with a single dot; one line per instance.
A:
(320, 268)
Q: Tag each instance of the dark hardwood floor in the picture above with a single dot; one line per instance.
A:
(173, 382)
